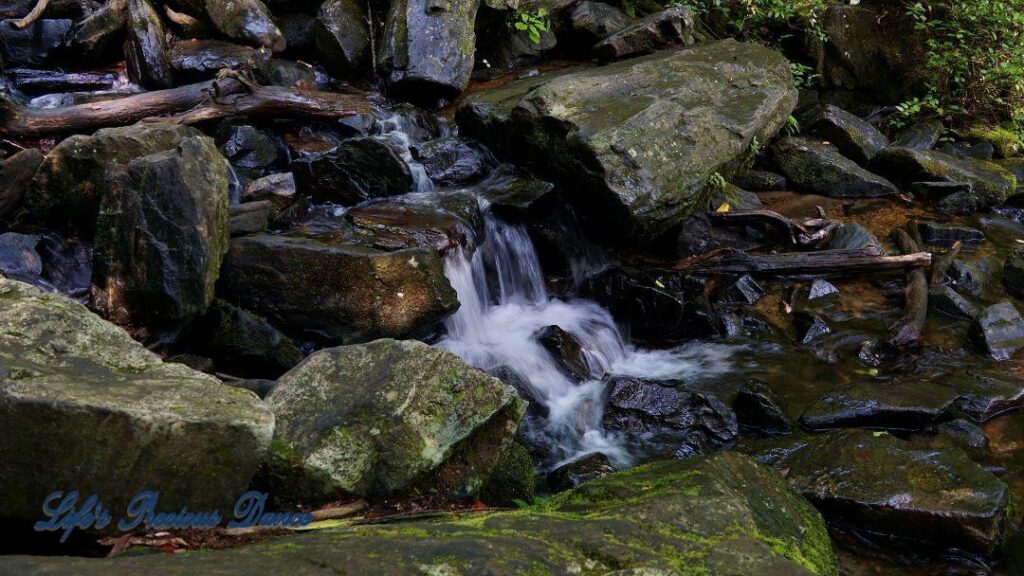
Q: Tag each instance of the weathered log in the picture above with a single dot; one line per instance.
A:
(202, 101)
(907, 330)
(766, 218)
(801, 265)
(32, 16)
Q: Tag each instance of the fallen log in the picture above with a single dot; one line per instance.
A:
(907, 331)
(801, 265)
(192, 103)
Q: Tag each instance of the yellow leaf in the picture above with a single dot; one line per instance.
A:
(659, 284)
(723, 208)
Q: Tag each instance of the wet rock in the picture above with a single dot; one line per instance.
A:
(961, 204)
(248, 21)
(809, 327)
(855, 138)
(187, 25)
(1015, 165)
(881, 486)
(814, 167)
(515, 49)
(571, 474)
(161, 236)
(684, 421)
(965, 433)
(16, 175)
(670, 312)
(512, 480)
(945, 300)
(972, 277)
(821, 289)
(699, 235)
(99, 34)
(278, 189)
(758, 409)
(449, 161)
(739, 323)
(745, 290)
(724, 514)
(938, 190)
(357, 170)
(290, 73)
(251, 221)
(938, 234)
(1004, 142)
(337, 293)
(536, 407)
(921, 136)
(67, 265)
(342, 35)
(518, 197)
(965, 151)
(567, 351)
(852, 237)
(671, 27)
(241, 343)
(299, 31)
(595, 131)
(759, 181)
(1013, 272)
(109, 418)
(591, 22)
(999, 331)
(391, 225)
(427, 52)
(66, 190)
(146, 49)
(246, 146)
(37, 82)
(197, 60)
(19, 259)
(375, 418)
(991, 182)
(39, 44)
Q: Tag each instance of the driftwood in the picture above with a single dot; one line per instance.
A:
(192, 103)
(801, 265)
(908, 329)
(32, 16)
(807, 233)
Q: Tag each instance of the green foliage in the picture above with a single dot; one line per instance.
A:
(766, 21)
(975, 64)
(792, 127)
(802, 77)
(717, 182)
(533, 23)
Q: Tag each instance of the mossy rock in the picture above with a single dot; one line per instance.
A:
(84, 407)
(1006, 142)
(720, 515)
(512, 479)
(634, 143)
(992, 182)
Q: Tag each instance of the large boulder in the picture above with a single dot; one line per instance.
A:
(815, 167)
(635, 142)
(356, 170)
(717, 515)
(69, 184)
(590, 22)
(84, 407)
(146, 49)
(248, 21)
(428, 47)
(339, 293)
(342, 35)
(992, 183)
(161, 236)
(373, 419)
(856, 138)
(98, 35)
(877, 484)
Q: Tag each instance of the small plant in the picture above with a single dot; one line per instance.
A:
(717, 182)
(802, 77)
(792, 127)
(756, 146)
(533, 23)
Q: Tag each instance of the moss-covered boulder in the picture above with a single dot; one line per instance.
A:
(162, 232)
(880, 485)
(428, 47)
(992, 183)
(84, 407)
(855, 138)
(635, 142)
(337, 293)
(815, 167)
(1004, 141)
(69, 184)
(513, 479)
(376, 418)
(720, 515)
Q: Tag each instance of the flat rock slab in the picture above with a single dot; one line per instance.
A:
(717, 515)
(635, 142)
(815, 167)
(880, 485)
(84, 407)
(991, 182)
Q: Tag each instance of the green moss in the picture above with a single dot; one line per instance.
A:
(511, 479)
(1005, 141)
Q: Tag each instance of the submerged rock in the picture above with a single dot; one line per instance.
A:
(567, 351)
(684, 421)
(854, 137)
(991, 182)
(84, 407)
(161, 235)
(999, 331)
(814, 167)
(884, 488)
(939, 234)
(337, 293)
(373, 419)
(722, 514)
(358, 169)
(146, 48)
(635, 142)
(427, 52)
(69, 184)
(671, 27)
